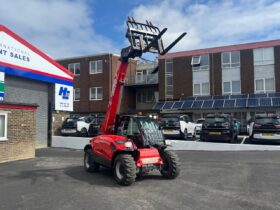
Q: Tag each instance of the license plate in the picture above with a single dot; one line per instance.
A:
(215, 133)
(69, 131)
(268, 134)
(167, 131)
(149, 160)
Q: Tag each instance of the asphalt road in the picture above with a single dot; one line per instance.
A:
(208, 180)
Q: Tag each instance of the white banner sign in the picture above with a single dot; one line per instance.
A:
(63, 97)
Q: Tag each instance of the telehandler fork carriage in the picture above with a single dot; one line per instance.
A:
(132, 145)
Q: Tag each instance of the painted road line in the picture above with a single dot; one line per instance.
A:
(244, 138)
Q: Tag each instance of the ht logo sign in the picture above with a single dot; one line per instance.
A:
(64, 92)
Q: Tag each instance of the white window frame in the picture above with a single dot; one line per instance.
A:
(5, 137)
(263, 61)
(95, 70)
(168, 74)
(231, 93)
(74, 97)
(193, 58)
(200, 85)
(95, 99)
(230, 64)
(264, 86)
(75, 68)
(197, 66)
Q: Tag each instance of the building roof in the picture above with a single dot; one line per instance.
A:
(86, 56)
(20, 58)
(222, 49)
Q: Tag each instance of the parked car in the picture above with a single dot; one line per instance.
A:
(265, 128)
(94, 127)
(83, 124)
(177, 126)
(69, 127)
(198, 127)
(219, 127)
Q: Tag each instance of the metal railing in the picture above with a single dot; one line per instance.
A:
(142, 80)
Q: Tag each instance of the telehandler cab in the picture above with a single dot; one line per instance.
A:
(132, 145)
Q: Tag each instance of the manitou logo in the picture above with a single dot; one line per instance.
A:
(64, 92)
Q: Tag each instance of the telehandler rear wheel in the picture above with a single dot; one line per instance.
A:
(171, 164)
(125, 169)
(89, 164)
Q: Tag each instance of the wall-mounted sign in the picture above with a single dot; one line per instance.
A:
(2, 86)
(18, 57)
(63, 97)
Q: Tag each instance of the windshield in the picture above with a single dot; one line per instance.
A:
(200, 121)
(169, 119)
(152, 133)
(267, 120)
(216, 119)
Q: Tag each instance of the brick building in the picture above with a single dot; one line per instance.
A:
(240, 79)
(27, 79)
(93, 78)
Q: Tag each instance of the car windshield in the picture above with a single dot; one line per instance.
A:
(200, 121)
(216, 119)
(169, 119)
(267, 120)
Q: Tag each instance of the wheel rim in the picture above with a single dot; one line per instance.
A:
(87, 161)
(119, 170)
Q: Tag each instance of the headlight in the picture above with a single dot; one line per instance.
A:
(128, 144)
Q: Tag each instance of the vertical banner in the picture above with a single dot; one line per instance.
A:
(2, 86)
(63, 97)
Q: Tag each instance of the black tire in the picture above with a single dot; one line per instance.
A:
(185, 134)
(84, 132)
(125, 169)
(89, 164)
(171, 164)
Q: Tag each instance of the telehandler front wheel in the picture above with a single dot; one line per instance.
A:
(171, 164)
(125, 169)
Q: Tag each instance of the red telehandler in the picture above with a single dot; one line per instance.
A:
(132, 145)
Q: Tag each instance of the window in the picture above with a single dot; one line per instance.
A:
(264, 56)
(76, 94)
(145, 97)
(169, 78)
(96, 93)
(200, 62)
(196, 60)
(231, 59)
(3, 126)
(232, 87)
(95, 67)
(74, 68)
(201, 89)
(264, 85)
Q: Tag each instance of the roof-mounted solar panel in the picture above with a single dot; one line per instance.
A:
(197, 104)
(239, 96)
(187, 104)
(158, 105)
(177, 104)
(208, 104)
(252, 102)
(203, 98)
(258, 95)
(265, 102)
(218, 103)
(221, 97)
(275, 101)
(168, 105)
(229, 103)
(241, 102)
